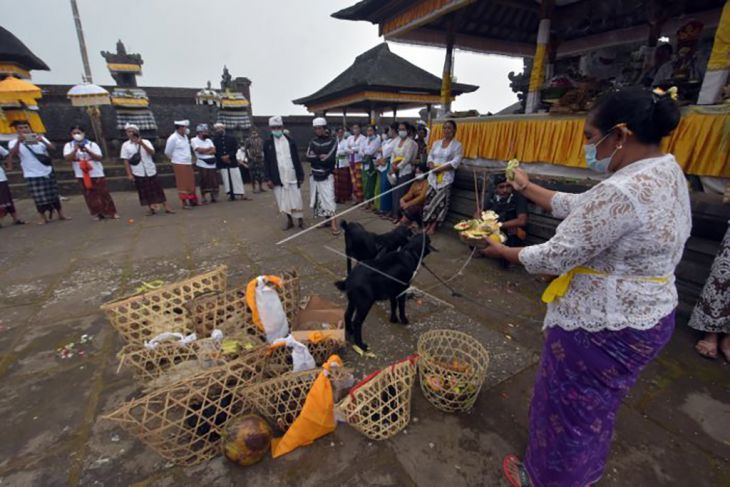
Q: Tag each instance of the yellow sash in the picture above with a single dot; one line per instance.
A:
(560, 284)
(439, 175)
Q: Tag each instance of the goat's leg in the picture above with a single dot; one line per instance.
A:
(393, 317)
(402, 309)
(349, 265)
(349, 312)
(358, 321)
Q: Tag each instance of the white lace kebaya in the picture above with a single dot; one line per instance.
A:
(632, 226)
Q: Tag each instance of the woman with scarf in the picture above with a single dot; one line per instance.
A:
(384, 206)
(343, 181)
(443, 160)
(612, 309)
(401, 167)
(85, 156)
(370, 152)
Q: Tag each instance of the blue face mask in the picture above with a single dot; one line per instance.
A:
(277, 133)
(594, 164)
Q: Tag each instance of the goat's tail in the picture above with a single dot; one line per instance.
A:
(341, 285)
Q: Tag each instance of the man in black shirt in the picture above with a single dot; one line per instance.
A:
(512, 210)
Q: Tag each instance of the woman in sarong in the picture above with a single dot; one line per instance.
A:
(444, 158)
(612, 309)
(85, 155)
(712, 312)
(343, 181)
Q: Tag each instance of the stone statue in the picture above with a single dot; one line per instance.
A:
(226, 79)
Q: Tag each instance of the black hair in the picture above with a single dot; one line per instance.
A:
(77, 126)
(374, 127)
(394, 126)
(453, 124)
(423, 167)
(15, 123)
(666, 47)
(499, 179)
(355, 125)
(650, 116)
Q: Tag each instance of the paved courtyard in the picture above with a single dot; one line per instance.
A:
(674, 429)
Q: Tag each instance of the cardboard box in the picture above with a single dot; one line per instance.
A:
(319, 315)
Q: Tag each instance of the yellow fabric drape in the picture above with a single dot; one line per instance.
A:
(720, 56)
(9, 116)
(700, 143)
(537, 75)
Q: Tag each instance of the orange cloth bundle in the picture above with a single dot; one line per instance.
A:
(86, 167)
(317, 417)
(251, 298)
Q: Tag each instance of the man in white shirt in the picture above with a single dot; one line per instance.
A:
(205, 161)
(6, 199)
(137, 156)
(283, 173)
(85, 157)
(177, 149)
(32, 150)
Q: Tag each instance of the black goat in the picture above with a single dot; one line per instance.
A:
(361, 244)
(369, 283)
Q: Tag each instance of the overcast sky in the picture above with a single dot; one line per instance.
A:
(288, 48)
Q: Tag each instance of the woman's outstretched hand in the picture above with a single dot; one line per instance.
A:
(521, 179)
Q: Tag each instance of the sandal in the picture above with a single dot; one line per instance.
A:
(19, 222)
(514, 472)
(336, 233)
(707, 349)
(363, 353)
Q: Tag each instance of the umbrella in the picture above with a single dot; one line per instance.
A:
(87, 95)
(14, 90)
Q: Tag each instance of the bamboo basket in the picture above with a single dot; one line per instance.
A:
(452, 367)
(280, 360)
(144, 316)
(184, 422)
(380, 406)
(280, 399)
(229, 312)
(148, 365)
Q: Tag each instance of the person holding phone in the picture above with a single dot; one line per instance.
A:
(85, 156)
(33, 152)
(137, 155)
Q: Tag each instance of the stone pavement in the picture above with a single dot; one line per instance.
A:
(674, 429)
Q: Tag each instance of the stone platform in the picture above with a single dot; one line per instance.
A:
(674, 428)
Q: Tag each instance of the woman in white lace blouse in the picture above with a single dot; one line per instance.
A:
(611, 310)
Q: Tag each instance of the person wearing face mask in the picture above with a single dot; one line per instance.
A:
(343, 182)
(511, 207)
(177, 149)
(370, 153)
(384, 206)
(612, 309)
(443, 160)
(137, 155)
(403, 160)
(205, 162)
(355, 148)
(321, 155)
(284, 173)
(85, 156)
(411, 204)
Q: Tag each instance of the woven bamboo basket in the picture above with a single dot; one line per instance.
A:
(229, 312)
(452, 367)
(143, 316)
(280, 400)
(149, 365)
(280, 359)
(183, 422)
(380, 406)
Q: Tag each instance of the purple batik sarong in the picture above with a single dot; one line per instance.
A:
(583, 378)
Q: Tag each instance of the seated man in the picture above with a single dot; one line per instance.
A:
(512, 210)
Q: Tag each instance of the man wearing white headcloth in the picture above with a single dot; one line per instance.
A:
(205, 164)
(321, 153)
(284, 173)
(137, 156)
(177, 149)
